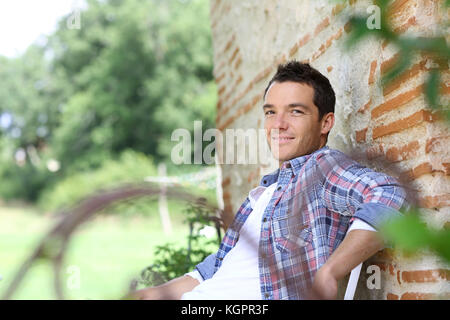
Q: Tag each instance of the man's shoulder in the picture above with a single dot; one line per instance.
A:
(333, 157)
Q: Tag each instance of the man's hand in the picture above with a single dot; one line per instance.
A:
(172, 290)
(324, 286)
(357, 247)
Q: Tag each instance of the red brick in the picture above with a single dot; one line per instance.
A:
(281, 59)
(348, 27)
(405, 152)
(219, 66)
(420, 170)
(229, 43)
(238, 63)
(337, 9)
(405, 76)
(365, 107)
(417, 296)
(401, 29)
(385, 254)
(396, 7)
(416, 172)
(391, 296)
(220, 78)
(226, 196)
(397, 4)
(405, 123)
(361, 135)
(304, 40)
(391, 270)
(293, 50)
(383, 266)
(436, 201)
(263, 74)
(373, 67)
(426, 275)
(221, 90)
(226, 182)
(321, 26)
(388, 64)
(397, 101)
(375, 152)
(326, 45)
(233, 56)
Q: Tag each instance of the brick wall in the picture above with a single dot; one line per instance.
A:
(388, 129)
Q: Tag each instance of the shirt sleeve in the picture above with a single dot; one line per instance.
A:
(196, 275)
(207, 266)
(360, 225)
(352, 189)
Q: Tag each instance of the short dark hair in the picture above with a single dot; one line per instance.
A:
(295, 71)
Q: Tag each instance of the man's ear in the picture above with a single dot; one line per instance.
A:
(327, 123)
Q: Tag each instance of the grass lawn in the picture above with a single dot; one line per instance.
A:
(108, 252)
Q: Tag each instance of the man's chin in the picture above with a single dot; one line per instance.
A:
(282, 158)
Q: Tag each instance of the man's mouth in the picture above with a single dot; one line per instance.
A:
(282, 139)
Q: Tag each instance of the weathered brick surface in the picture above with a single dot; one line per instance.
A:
(387, 128)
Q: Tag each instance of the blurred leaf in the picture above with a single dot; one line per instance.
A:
(402, 64)
(359, 31)
(410, 234)
(432, 85)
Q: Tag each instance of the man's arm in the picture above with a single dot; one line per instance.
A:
(172, 290)
(357, 246)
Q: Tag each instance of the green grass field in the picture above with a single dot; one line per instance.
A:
(108, 252)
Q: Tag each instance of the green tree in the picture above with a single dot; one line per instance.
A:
(132, 73)
(137, 71)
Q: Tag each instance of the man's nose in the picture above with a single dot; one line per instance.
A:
(280, 121)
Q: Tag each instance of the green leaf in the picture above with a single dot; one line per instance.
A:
(408, 233)
(404, 61)
(359, 31)
(432, 85)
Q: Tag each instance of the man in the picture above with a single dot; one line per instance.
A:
(289, 238)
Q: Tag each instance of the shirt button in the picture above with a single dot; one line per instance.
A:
(265, 181)
(265, 219)
(279, 188)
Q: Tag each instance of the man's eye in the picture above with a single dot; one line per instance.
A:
(268, 112)
(297, 111)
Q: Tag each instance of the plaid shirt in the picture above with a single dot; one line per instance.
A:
(317, 197)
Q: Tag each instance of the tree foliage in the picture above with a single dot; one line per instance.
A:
(131, 74)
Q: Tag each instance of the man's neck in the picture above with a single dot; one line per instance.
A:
(280, 163)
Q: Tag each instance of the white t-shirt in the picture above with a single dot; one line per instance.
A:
(240, 265)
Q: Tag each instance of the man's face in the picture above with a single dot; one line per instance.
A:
(292, 121)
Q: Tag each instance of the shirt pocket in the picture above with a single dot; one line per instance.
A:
(290, 234)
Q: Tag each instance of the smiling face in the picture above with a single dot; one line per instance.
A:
(292, 121)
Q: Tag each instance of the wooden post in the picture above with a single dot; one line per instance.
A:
(163, 207)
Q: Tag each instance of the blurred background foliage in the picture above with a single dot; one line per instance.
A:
(91, 108)
(130, 75)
